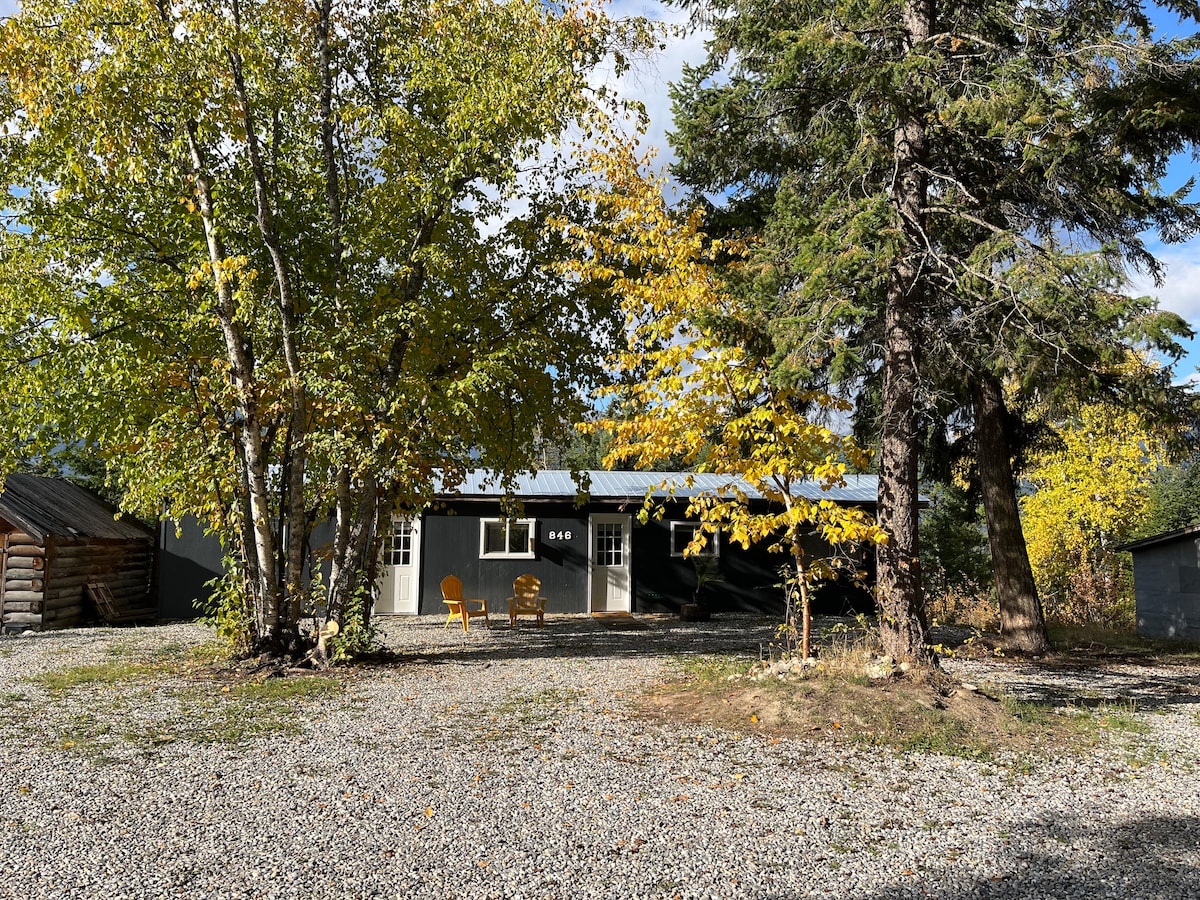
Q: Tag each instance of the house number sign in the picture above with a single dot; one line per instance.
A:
(560, 535)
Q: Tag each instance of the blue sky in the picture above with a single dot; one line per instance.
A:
(648, 81)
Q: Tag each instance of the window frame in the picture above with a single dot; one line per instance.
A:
(712, 544)
(530, 553)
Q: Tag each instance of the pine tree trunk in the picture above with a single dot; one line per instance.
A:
(901, 605)
(1022, 622)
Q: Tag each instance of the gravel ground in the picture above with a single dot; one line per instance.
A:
(510, 764)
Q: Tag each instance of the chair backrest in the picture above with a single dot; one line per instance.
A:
(527, 587)
(452, 588)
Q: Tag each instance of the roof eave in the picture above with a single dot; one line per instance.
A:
(1163, 538)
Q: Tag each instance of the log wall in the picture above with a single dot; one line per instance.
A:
(23, 589)
(46, 585)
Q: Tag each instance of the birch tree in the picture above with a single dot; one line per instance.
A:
(288, 261)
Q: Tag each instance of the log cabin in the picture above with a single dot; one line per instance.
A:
(56, 540)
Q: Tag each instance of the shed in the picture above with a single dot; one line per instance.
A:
(56, 539)
(1166, 584)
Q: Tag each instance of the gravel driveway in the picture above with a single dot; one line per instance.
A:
(509, 764)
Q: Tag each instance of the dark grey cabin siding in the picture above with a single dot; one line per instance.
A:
(450, 546)
(750, 579)
(663, 583)
(449, 538)
(189, 559)
(1166, 579)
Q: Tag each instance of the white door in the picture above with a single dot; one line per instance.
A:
(608, 562)
(401, 569)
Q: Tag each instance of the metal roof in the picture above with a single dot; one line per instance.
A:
(44, 506)
(1165, 537)
(633, 486)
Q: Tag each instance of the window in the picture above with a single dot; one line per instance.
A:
(400, 544)
(683, 533)
(507, 538)
(610, 544)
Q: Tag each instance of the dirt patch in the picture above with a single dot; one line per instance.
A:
(927, 712)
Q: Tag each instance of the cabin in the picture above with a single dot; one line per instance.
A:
(1166, 584)
(590, 551)
(66, 559)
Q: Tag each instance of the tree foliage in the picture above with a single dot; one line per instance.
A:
(696, 384)
(1090, 493)
(954, 553)
(1173, 499)
(948, 197)
(285, 261)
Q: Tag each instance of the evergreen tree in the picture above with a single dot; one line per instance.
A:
(946, 199)
(1174, 499)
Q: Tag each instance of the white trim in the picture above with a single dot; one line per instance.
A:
(529, 553)
(712, 544)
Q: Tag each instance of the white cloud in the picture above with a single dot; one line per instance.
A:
(1179, 293)
(649, 79)
(1180, 290)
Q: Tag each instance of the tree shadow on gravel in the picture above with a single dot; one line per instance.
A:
(754, 637)
(578, 637)
(1061, 684)
(1151, 858)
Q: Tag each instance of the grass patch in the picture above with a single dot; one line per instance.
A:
(210, 701)
(711, 670)
(203, 713)
(117, 671)
(284, 690)
(539, 708)
(86, 734)
(531, 715)
(1100, 721)
(127, 664)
